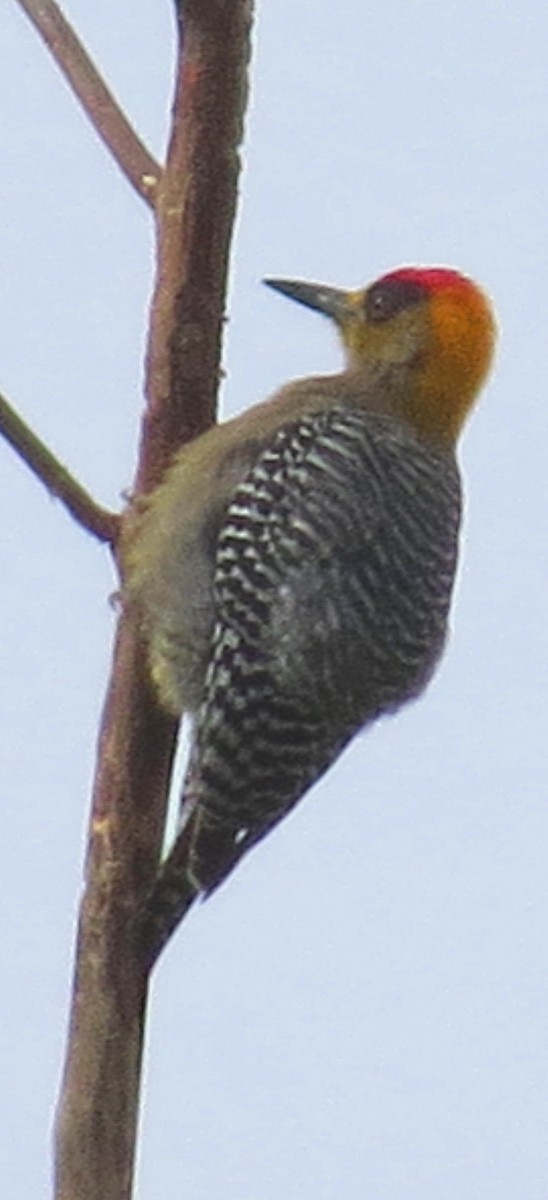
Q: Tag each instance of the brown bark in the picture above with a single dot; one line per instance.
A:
(195, 211)
(98, 1109)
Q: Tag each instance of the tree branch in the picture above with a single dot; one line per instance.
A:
(98, 1109)
(133, 158)
(196, 205)
(99, 521)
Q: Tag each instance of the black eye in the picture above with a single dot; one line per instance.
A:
(391, 296)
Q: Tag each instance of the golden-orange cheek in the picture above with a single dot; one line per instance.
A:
(463, 334)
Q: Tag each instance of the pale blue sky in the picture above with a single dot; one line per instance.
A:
(362, 1011)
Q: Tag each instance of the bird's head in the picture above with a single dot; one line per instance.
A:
(425, 335)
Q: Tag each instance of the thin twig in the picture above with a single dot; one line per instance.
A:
(55, 477)
(133, 158)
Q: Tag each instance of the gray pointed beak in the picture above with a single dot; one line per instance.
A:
(333, 302)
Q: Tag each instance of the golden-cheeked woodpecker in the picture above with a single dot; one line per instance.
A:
(293, 571)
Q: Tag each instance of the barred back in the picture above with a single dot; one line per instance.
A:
(333, 579)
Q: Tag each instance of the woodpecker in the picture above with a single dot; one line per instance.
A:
(293, 571)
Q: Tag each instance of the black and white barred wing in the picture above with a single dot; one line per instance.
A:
(324, 620)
